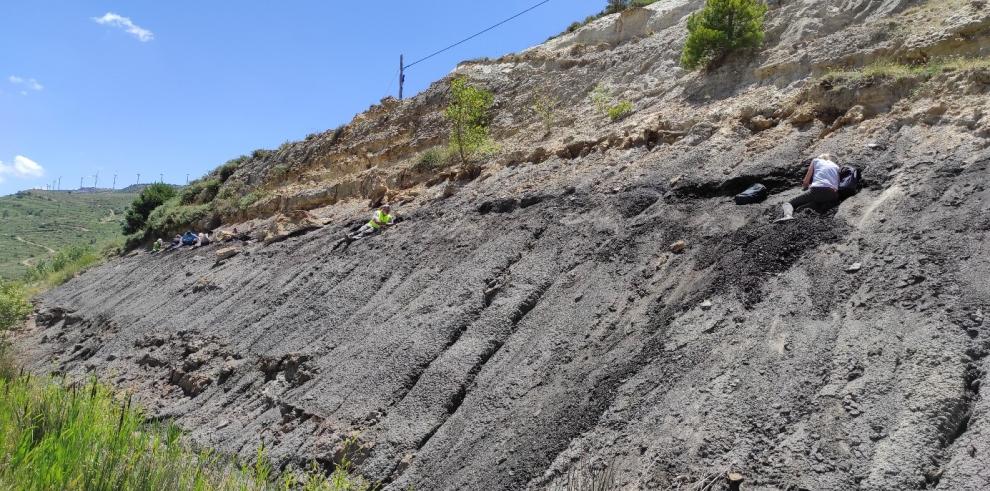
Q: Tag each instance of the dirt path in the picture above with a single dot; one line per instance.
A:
(21, 239)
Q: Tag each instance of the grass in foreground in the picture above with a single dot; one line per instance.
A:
(55, 437)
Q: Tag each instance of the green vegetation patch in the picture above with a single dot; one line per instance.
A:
(14, 306)
(432, 160)
(469, 118)
(173, 217)
(894, 70)
(150, 198)
(721, 28)
(35, 223)
(606, 103)
(62, 267)
(58, 436)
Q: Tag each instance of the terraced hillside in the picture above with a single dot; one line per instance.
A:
(34, 224)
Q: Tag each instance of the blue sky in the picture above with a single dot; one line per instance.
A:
(177, 87)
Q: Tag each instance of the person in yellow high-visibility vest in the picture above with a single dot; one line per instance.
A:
(381, 219)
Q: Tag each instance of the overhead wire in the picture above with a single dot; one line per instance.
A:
(452, 46)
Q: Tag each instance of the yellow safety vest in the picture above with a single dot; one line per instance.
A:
(382, 218)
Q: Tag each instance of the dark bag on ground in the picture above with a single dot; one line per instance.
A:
(756, 193)
(849, 178)
(189, 239)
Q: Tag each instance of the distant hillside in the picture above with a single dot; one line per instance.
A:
(135, 188)
(33, 223)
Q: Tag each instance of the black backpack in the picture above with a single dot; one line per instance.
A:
(756, 193)
(849, 178)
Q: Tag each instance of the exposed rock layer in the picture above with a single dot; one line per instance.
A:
(533, 323)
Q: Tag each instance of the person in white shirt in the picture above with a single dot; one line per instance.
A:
(821, 185)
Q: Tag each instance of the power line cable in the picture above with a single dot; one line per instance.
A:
(520, 14)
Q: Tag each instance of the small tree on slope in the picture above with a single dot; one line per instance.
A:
(468, 116)
(720, 28)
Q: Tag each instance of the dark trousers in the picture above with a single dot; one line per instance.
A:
(818, 199)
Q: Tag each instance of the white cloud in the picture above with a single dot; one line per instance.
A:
(26, 84)
(22, 168)
(115, 20)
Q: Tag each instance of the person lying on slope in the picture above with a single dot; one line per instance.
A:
(381, 219)
(821, 185)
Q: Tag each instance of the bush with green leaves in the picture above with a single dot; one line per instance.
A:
(230, 167)
(14, 306)
(545, 105)
(200, 191)
(607, 105)
(150, 198)
(432, 159)
(468, 114)
(173, 217)
(619, 110)
(601, 98)
(720, 28)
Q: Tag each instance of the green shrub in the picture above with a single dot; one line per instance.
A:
(606, 104)
(278, 172)
(468, 115)
(230, 167)
(14, 306)
(432, 160)
(150, 198)
(619, 110)
(721, 27)
(251, 198)
(545, 105)
(200, 191)
(173, 217)
(601, 98)
(260, 154)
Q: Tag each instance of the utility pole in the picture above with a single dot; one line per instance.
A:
(114, 188)
(80, 183)
(96, 180)
(187, 179)
(139, 179)
(402, 74)
(161, 178)
(59, 188)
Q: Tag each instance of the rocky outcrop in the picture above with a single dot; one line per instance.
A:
(593, 303)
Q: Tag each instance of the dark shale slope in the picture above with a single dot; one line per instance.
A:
(533, 322)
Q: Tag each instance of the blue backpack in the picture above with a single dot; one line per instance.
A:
(189, 239)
